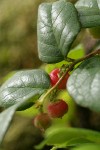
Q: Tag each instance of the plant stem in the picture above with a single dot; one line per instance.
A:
(70, 68)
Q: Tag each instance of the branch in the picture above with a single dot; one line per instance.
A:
(70, 68)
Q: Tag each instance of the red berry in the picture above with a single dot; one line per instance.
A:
(42, 121)
(54, 76)
(57, 109)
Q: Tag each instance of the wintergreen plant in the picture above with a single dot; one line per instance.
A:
(58, 25)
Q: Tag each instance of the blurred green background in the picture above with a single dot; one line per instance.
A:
(18, 40)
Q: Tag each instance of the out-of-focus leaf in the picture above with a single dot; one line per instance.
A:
(77, 52)
(62, 137)
(88, 147)
(5, 120)
(95, 32)
(6, 117)
(57, 136)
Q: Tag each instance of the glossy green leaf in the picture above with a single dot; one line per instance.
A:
(84, 84)
(25, 85)
(60, 22)
(89, 12)
(58, 26)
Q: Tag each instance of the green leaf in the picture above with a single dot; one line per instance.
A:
(88, 147)
(89, 12)
(58, 26)
(84, 84)
(25, 85)
(60, 22)
(5, 119)
(64, 136)
(75, 53)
